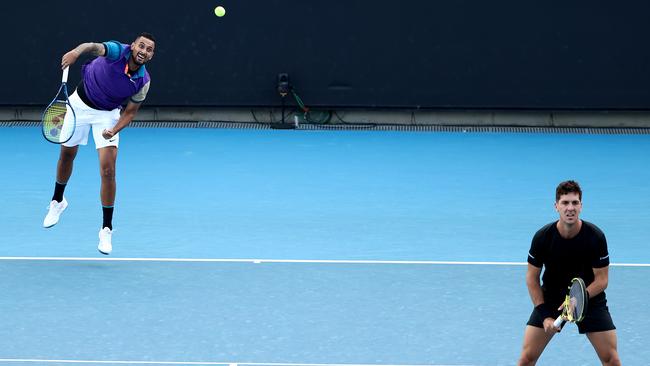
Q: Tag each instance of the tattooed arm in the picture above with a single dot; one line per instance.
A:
(95, 49)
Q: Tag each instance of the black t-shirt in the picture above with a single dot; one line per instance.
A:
(564, 259)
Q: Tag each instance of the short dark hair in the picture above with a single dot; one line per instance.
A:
(568, 186)
(147, 35)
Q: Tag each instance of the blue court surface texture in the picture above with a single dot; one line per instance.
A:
(269, 247)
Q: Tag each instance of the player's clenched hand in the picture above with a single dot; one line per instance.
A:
(108, 134)
(549, 327)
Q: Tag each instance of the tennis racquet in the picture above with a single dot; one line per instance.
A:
(575, 303)
(56, 128)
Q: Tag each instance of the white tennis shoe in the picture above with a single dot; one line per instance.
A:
(54, 212)
(105, 246)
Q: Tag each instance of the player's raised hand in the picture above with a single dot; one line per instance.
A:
(69, 58)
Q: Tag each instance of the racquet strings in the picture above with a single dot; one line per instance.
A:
(577, 301)
(53, 122)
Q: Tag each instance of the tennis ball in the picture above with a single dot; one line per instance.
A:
(219, 11)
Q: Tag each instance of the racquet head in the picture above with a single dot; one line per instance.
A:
(575, 305)
(56, 127)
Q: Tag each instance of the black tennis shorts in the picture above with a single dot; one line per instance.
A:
(597, 319)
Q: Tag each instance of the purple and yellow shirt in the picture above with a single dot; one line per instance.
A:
(107, 84)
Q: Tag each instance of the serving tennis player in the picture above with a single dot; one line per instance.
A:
(113, 86)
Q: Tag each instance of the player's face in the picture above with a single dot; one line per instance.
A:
(142, 50)
(569, 207)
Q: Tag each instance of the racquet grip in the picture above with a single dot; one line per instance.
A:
(64, 79)
(558, 321)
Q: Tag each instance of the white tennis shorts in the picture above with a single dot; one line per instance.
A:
(88, 117)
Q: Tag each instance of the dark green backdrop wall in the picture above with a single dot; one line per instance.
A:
(350, 53)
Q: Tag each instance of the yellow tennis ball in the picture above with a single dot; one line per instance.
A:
(219, 11)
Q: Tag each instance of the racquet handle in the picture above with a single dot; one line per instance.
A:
(64, 79)
(558, 321)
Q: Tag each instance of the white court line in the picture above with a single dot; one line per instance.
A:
(19, 360)
(251, 260)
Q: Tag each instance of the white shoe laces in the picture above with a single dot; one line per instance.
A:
(56, 206)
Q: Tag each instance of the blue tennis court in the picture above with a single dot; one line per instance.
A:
(310, 247)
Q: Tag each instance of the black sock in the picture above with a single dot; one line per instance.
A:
(58, 192)
(108, 217)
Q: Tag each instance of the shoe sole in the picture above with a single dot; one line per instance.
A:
(104, 253)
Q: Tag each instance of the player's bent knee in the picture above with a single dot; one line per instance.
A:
(108, 173)
(527, 360)
(612, 360)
